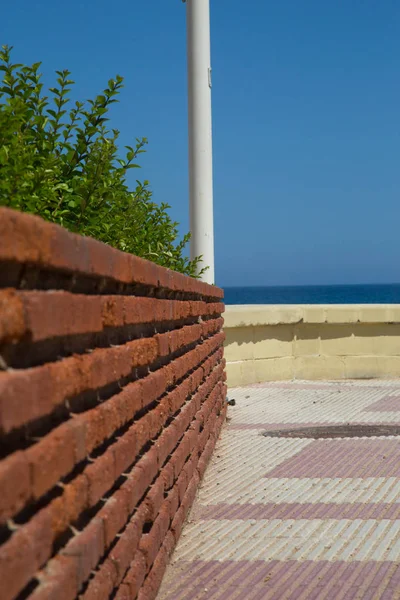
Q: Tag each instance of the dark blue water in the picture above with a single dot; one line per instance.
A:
(315, 294)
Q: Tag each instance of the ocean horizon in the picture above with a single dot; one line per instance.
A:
(388, 293)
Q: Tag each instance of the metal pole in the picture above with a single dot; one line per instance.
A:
(200, 134)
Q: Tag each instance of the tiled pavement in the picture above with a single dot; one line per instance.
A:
(284, 518)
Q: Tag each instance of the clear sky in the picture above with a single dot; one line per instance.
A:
(306, 101)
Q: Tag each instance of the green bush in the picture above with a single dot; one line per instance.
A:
(64, 165)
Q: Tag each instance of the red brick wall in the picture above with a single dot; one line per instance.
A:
(112, 395)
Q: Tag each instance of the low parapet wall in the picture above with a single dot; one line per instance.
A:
(112, 395)
(333, 342)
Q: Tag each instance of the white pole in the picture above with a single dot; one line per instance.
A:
(200, 134)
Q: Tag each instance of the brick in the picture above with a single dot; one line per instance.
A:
(114, 515)
(172, 501)
(51, 384)
(135, 576)
(24, 553)
(169, 543)
(192, 435)
(153, 386)
(166, 443)
(154, 578)
(24, 238)
(124, 592)
(87, 548)
(205, 457)
(112, 311)
(196, 379)
(163, 343)
(127, 448)
(15, 485)
(54, 313)
(100, 476)
(191, 492)
(140, 478)
(167, 475)
(27, 238)
(177, 522)
(76, 497)
(16, 408)
(151, 542)
(59, 580)
(95, 428)
(182, 484)
(124, 550)
(12, 317)
(102, 584)
(139, 310)
(157, 417)
(129, 401)
(59, 516)
(154, 499)
(125, 451)
(180, 455)
(17, 564)
(51, 458)
(175, 399)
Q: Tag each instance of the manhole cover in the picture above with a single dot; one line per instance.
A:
(335, 431)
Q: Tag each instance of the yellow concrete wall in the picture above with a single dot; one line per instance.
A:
(271, 343)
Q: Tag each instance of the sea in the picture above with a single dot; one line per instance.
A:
(315, 294)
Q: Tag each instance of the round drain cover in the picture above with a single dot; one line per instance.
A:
(335, 431)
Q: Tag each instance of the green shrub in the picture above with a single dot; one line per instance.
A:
(62, 162)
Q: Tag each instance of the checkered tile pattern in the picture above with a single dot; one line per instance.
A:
(287, 518)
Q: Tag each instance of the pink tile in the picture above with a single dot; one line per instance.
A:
(386, 404)
(285, 579)
(300, 510)
(376, 457)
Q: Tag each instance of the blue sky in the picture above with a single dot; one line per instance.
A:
(306, 100)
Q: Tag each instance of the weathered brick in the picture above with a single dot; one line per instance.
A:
(205, 457)
(100, 476)
(172, 501)
(177, 522)
(15, 485)
(154, 499)
(114, 515)
(124, 550)
(112, 311)
(16, 408)
(51, 458)
(153, 386)
(166, 443)
(27, 238)
(59, 580)
(141, 476)
(24, 553)
(167, 475)
(182, 484)
(134, 577)
(87, 548)
(151, 542)
(17, 564)
(125, 451)
(76, 495)
(196, 402)
(102, 584)
(55, 313)
(24, 238)
(12, 317)
(154, 578)
(180, 456)
(51, 384)
(157, 418)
